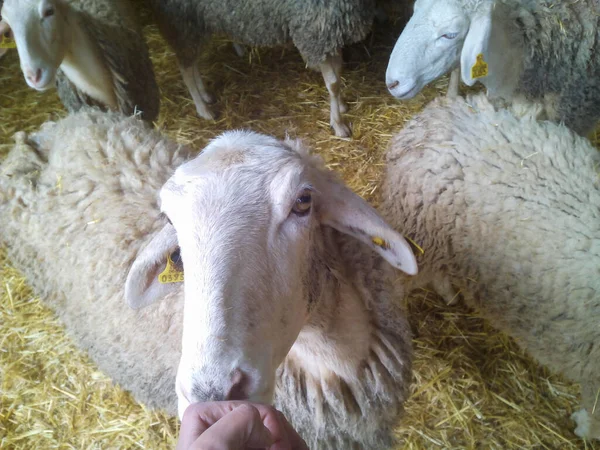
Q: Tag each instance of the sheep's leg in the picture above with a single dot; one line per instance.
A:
(331, 69)
(193, 81)
(338, 73)
(454, 83)
(588, 418)
(240, 50)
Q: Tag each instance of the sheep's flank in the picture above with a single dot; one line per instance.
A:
(473, 387)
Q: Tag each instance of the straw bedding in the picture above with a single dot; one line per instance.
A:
(473, 387)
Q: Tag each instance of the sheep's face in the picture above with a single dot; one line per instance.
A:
(243, 212)
(247, 214)
(429, 46)
(39, 31)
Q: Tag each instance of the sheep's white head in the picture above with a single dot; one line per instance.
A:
(440, 35)
(247, 214)
(40, 31)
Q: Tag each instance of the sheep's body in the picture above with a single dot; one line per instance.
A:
(540, 49)
(113, 26)
(507, 210)
(560, 63)
(78, 202)
(318, 30)
(315, 29)
(106, 62)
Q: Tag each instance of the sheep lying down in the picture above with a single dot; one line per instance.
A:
(507, 211)
(287, 295)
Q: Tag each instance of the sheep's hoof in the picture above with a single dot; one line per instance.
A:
(208, 98)
(205, 113)
(240, 50)
(341, 129)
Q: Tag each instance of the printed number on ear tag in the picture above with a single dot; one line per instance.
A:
(172, 273)
(7, 42)
(480, 68)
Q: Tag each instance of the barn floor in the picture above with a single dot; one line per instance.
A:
(473, 387)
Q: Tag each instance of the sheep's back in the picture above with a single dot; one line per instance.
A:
(73, 223)
(509, 210)
(317, 28)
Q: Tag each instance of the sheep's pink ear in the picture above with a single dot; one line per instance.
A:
(348, 213)
(474, 55)
(153, 274)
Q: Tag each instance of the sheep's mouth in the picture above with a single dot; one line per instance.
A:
(410, 93)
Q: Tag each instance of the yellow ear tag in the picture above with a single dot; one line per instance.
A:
(173, 273)
(7, 42)
(480, 68)
(380, 242)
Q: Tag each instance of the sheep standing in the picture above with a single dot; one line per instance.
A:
(507, 211)
(540, 49)
(319, 30)
(306, 306)
(94, 49)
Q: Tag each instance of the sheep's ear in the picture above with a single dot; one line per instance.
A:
(154, 273)
(473, 59)
(345, 211)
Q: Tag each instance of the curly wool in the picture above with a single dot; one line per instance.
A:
(79, 202)
(507, 210)
(316, 28)
(557, 42)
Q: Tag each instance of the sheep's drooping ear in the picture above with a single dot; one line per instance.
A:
(156, 271)
(473, 63)
(345, 211)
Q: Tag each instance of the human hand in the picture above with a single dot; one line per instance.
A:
(236, 426)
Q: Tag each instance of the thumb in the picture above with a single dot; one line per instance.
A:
(240, 429)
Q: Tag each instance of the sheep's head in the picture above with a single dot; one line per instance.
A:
(247, 214)
(39, 30)
(440, 35)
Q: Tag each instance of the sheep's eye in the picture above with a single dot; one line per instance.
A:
(48, 12)
(449, 35)
(176, 259)
(302, 203)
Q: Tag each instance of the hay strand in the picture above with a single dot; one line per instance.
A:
(473, 387)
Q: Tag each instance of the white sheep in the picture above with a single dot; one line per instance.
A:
(285, 299)
(542, 50)
(318, 29)
(507, 211)
(94, 49)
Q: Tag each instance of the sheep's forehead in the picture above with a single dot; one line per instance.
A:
(444, 10)
(266, 171)
(22, 6)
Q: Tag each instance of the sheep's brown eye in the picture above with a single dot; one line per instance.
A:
(302, 203)
(49, 12)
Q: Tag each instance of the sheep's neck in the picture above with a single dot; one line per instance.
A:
(84, 66)
(341, 332)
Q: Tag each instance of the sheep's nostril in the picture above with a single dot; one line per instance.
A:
(38, 75)
(393, 85)
(239, 386)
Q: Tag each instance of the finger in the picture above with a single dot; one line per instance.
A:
(241, 428)
(197, 418)
(296, 441)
